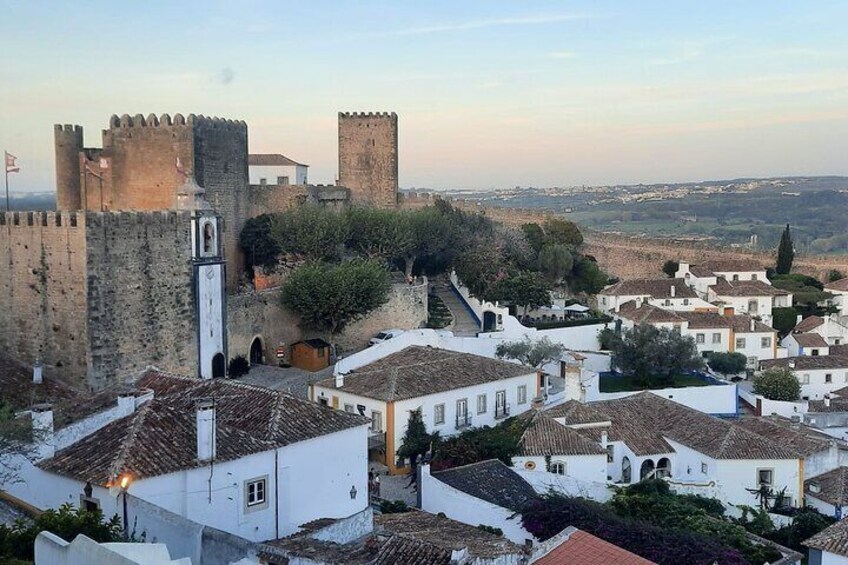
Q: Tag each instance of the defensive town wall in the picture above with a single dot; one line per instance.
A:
(509, 216)
(43, 282)
(270, 198)
(368, 157)
(261, 314)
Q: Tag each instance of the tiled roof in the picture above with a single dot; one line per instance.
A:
(807, 324)
(746, 288)
(705, 320)
(805, 439)
(839, 350)
(418, 371)
(741, 324)
(545, 436)
(647, 314)
(160, 437)
(644, 420)
(840, 285)
(830, 487)
(582, 548)
(398, 550)
(445, 533)
(272, 160)
(728, 266)
(833, 539)
(491, 481)
(807, 362)
(655, 288)
(810, 340)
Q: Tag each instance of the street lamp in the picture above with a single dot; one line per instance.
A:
(124, 481)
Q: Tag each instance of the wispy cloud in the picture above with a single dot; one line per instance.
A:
(563, 55)
(493, 22)
(687, 51)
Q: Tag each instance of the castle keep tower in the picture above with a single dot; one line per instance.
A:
(68, 144)
(368, 157)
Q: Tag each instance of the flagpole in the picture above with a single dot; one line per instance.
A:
(5, 168)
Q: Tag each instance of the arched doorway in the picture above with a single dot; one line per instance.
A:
(626, 471)
(219, 366)
(256, 357)
(647, 470)
(663, 468)
(490, 321)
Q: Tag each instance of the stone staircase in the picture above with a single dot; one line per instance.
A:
(464, 323)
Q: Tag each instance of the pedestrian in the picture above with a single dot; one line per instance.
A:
(377, 486)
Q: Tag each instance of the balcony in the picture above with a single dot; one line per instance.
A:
(376, 440)
(463, 421)
(501, 412)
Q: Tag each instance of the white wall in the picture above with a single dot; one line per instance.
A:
(711, 399)
(437, 496)
(722, 346)
(586, 468)
(753, 345)
(83, 428)
(825, 508)
(50, 549)
(814, 385)
(737, 475)
(543, 483)
(296, 174)
(210, 302)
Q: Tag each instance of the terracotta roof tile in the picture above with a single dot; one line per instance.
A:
(419, 371)
(160, 436)
(545, 436)
(705, 320)
(741, 324)
(831, 487)
(491, 481)
(582, 548)
(805, 439)
(810, 340)
(272, 160)
(728, 266)
(807, 324)
(746, 288)
(833, 539)
(841, 285)
(647, 314)
(655, 288)
(807, 362)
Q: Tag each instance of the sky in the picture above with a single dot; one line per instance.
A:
(489, 94)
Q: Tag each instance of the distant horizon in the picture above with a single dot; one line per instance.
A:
(489, 95)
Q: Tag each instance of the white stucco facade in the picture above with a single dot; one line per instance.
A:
(580, 467)
(275, 174)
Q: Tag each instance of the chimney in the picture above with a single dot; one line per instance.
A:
(792, 364)
(604, 439)
(339, 380)
(537, 403)
(798, 319)
(126, 403)
(827, 400)
(36, 371)
(753, 324)
(206, 433)
(42, 427)
(672, 289)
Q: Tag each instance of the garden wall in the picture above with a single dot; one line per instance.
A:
(719, 399)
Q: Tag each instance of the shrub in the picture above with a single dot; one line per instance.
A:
(727, 363)
(238, 367)
(393, 507)
(777, 384)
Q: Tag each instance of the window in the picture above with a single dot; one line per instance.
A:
(716, 338)
(263, 182)
(703, 468)
(558, 468)
(350, 408)
(836, 341)
(282, 180)
(376, 421)
(481, 403)
(814, 352)
(522, 394)
(754, 277)
(610, 453)
(699, 338)
(462, 417)
(736, 277)
(686, 302)
(439, 414)
(805, 379)
(828, 378)
(667, 302)
(740, 343)
(765, 477)
(323, 401)
(254, 492)
(765, 342)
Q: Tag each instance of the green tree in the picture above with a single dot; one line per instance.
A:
(432, 233)
(328, 297)
(535, 236)
(779, 383)
(378, 234)
(257, 241)
(18, 442)
(785, 253)
(311, 232)
(416, 442)
(535, 354)
(834, 275)
(562, 232)
(555, 262)
(654, 356)
(587, 276)
(670, 268)
(526, 289)
(727, 363)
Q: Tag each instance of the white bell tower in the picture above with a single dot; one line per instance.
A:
(209, 280)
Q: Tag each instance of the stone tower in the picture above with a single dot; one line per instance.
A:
(368, 157)
(68, 144)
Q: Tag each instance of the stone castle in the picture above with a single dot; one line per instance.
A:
(112, 282)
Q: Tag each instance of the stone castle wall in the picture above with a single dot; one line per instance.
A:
(140, 294)
(270, 198)
(43, 290)
(368, 157)
(515, 217)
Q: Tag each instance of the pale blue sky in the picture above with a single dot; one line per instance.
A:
(489, 94)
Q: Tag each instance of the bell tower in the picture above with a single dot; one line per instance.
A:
(209, 279)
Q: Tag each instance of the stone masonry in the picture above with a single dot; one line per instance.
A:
(368, 157)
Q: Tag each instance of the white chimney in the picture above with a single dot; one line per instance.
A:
(753, 324)
(126, 403)
(42, 427)
(827, 400)
(798, 319)
(36, 371)
(792, 364)
(206, 433)
(339, 380)
(672, 289)
(604, 439)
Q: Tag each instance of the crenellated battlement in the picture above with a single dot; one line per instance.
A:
(69, 128)
(42, 218)
(367, 115)
(178, 120)
(135, 218)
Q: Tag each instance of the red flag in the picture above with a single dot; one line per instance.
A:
(180, 169)
(10, 163)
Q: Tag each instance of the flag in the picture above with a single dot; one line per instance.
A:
(10, 163)
(91, 171)
(180, 169)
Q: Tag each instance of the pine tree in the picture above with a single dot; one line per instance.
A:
(785, 253)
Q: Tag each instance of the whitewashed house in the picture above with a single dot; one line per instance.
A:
(819, 375)
(275, 169)
(839, 290)
(246, 460)
(648, 436)
(829, 546)
(670, 294)
(453, 390)
(704, 275)
(809, 343)
(828, 492)
(830, 328)
(755, 298)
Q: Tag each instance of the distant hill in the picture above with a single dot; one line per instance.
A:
(30, 201)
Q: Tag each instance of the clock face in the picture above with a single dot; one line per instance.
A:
(210, 273)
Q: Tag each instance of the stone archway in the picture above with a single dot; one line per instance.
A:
(663, 468)
(256, 356)
(646, 471)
